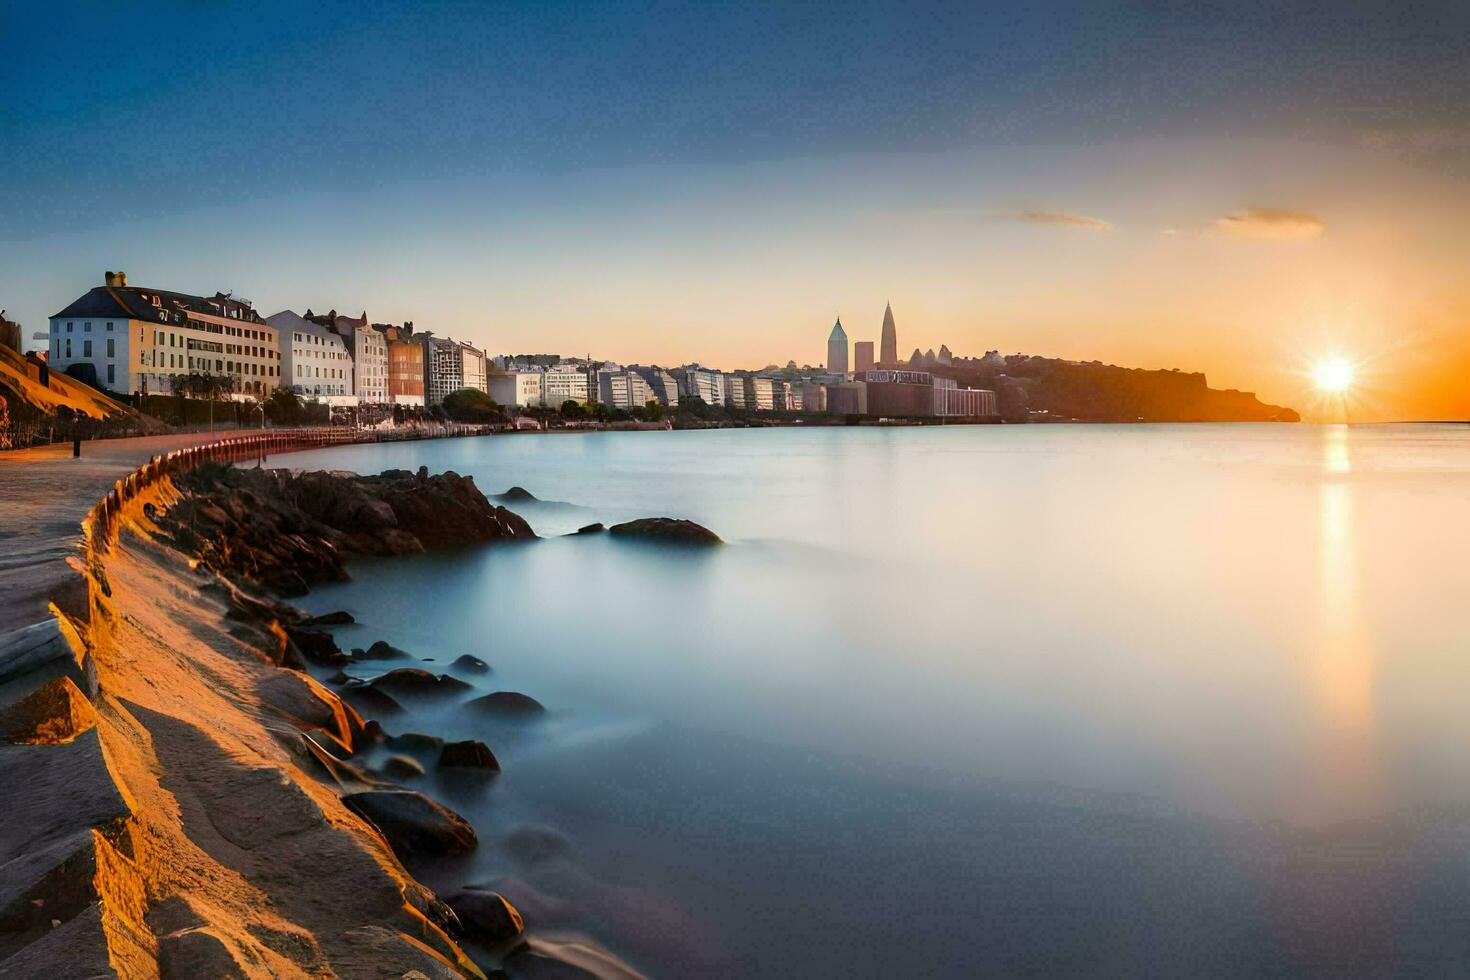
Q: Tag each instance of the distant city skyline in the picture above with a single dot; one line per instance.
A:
(1273, 188)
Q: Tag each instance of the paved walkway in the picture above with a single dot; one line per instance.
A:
(44, 494)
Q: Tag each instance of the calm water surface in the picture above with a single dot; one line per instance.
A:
(1148, 700)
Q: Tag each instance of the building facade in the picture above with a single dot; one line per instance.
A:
(314, 361)
(862, 356)
(135, 340)
(519, 388)
(563, 383)
(623, 389)
(697, 382)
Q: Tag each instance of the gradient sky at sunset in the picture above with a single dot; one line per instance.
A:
(1240, 190)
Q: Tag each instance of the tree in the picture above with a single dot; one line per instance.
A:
(572, 409)
(472, 405)
(283, 406)
(653, 410)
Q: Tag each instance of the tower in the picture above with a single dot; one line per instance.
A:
(888, 349)
(837, 349)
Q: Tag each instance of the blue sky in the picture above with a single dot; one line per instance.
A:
(299, 152)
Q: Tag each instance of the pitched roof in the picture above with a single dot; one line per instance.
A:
(138, 303)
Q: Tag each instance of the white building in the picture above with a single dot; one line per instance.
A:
(474, 362)
(519, 388)
(315, 362)
(697, 382)
(136, 339)
(450, 365)
(623, 389)
(761, 394)
(735, 388)
(562, 383)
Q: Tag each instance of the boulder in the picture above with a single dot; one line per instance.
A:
(338, 618)
(412, 823)
(471, 754)
(415, 742)
(52, 714)
(370, 700)
(415, 680)
(487, 916)
(536, 845)
(594, 528)
(317, 646)
(508, 704)
(666, 530)
(471, 664)
(402, 767)
(381, 650)
(515, 494)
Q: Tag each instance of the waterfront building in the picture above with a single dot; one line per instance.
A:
(519, 388)
(862, 356)
(888, 351)
(450, 366)
(735, 385)
(663, 384)
(761, 395)
(134, 339)
(813, 396)
(368, 350)
(848, 398)
(698, 382)
(965, 402)
(405, 364)
(314, 360)
(564, 382)
(837, 349)
(623, 388)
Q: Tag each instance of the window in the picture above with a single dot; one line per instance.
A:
(87, 326)
(111, 374)
(109, 324)
(68, 347)
(69, 325)
(86, 348)
(111, 351)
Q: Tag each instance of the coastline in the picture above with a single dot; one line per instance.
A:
(179, 820)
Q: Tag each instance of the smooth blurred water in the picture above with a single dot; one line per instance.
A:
(1134, 700)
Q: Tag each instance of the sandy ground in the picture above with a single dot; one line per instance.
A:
(44, 494)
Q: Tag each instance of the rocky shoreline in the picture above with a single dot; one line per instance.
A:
(230, 827)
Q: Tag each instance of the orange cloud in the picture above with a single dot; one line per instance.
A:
(1270, 223)
(1057, 218)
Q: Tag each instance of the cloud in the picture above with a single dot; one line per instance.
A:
(1079, 221)
(1279, 224)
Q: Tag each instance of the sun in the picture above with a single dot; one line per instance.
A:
(1333, 377)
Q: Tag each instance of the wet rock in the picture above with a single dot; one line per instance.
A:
(192, 953)
(414, 742)
(487, 916)
(402, 767)
(414, 680)
(338, 618)
(471, 754)
(542, 960)
(317, 646)
(339, 678)
(667, 530)
(381, 650)
(508, 704)
(369, 700)
(412, 823)
(471, 664)
(594, 528)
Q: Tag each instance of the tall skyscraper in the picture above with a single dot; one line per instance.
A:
(837, 349)
(862, 356)
(888, 351)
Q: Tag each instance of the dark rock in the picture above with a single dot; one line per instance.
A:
(370, 700)
(472, 754)
(487, 916)
(402, 767)
(338, 618)
(471, 664)
(339, 678)
(412, 823)
(381, 651)
(317, 646)
(415, 742)
(413, 680)
(515, 494)
(667, 530)
(508, 704)
(596, 528)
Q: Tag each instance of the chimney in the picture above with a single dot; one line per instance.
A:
(115, 278)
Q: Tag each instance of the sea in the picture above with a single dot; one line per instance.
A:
(1062, 700)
